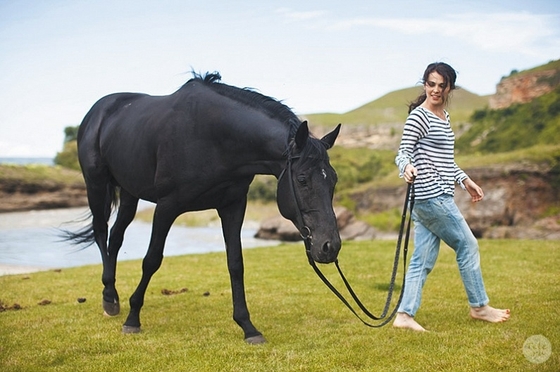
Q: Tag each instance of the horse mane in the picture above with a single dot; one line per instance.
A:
(315, 149)
(248, 96)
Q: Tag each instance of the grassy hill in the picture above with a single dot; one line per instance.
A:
(393, 107)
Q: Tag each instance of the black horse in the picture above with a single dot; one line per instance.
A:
(200, 148)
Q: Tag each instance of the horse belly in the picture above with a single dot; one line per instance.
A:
(134, 174)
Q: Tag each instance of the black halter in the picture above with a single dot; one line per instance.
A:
(307, 237)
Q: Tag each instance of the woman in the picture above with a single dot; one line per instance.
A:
(426, 158)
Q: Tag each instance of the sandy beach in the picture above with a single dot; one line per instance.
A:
(18, 269)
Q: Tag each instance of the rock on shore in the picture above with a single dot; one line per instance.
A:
(279, 228)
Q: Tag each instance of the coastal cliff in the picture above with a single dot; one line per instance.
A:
(34, 187)
(524, 87)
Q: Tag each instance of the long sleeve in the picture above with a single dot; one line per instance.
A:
(460, 176)
(415, 128)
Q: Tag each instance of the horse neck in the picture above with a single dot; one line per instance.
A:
(266, 141)
(252, 134)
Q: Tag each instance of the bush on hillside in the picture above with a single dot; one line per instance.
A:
(68, 157)
(516, 127)
(355, 166)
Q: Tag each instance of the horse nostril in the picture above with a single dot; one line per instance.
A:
(326, 247)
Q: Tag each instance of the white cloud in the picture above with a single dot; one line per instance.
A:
(502, 32)
(517, 32)
(296, 16)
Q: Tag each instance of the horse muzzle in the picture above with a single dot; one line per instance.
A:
(323, 250)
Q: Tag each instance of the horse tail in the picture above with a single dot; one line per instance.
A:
(85, 236)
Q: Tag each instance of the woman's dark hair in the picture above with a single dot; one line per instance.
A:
(447, 72)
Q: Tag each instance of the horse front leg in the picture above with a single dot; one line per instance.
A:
(232, 220)
(127, 211)
(163, 219)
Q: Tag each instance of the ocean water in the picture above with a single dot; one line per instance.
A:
(26, 161)
(33, 239)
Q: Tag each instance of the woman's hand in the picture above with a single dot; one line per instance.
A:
(410, 173)
(474, 190)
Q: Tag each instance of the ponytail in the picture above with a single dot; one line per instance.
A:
(417, 102)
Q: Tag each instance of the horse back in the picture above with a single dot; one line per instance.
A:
(195, 138)
(150, 145)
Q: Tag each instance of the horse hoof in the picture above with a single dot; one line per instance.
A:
(111, 308)
(130, 329)
(255, 340)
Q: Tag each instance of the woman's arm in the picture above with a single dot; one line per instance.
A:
(415, 128)
(474, 190)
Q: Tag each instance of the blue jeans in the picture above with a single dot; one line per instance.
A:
(439, 219)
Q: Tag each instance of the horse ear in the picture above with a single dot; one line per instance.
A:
(329, 138)
(302, 135)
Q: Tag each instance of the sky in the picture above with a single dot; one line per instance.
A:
(58, 57)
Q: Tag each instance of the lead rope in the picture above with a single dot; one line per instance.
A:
(307, 242)
(404, 221)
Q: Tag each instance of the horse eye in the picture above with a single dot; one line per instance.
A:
(301, 179)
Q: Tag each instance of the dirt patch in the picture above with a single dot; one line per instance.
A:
(170, 292)
(5, 307)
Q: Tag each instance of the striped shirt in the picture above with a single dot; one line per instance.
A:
(428, 144)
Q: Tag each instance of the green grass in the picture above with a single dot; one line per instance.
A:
(307, 328)
(39, 174)
(387, 220)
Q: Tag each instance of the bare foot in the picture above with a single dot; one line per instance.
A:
(489, 314)
(405, 321)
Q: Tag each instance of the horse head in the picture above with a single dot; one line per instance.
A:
(305, 193)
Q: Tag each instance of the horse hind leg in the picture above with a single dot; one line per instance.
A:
(98, 200)
(164, 216)
(99, 194)
(127, 210)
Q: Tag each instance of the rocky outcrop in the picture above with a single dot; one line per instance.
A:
(279, 228)
(524, 87)
(517, 204)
